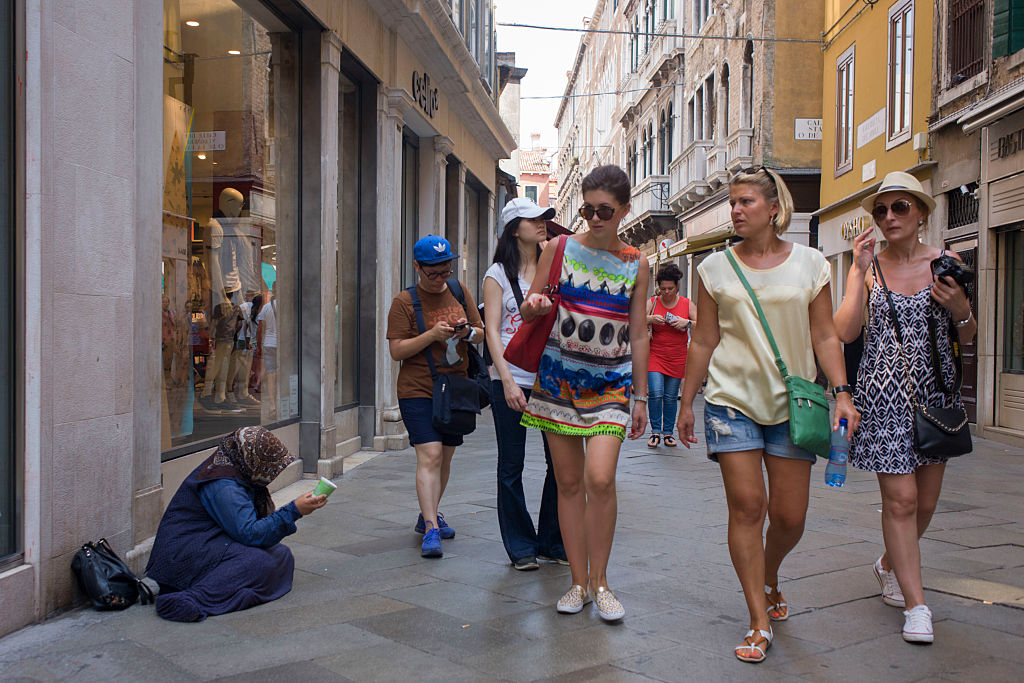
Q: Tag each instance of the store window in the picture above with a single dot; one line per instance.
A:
(901, 72)
(8, 464)
(350, 192)
(229, 269)
(844, 111)
(410, 198)
(1013, 315)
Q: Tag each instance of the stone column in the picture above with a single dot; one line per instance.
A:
(443, 146)
(390, 433)
(492, 231)
(460, 212)
(330, 66)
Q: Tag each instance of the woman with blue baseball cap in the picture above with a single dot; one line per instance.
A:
(448, 328)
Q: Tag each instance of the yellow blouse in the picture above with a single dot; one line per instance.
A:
(742, 373)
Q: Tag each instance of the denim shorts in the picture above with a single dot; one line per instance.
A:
(727, 430)
(418, 416)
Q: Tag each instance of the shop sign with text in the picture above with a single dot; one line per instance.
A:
(423, 93)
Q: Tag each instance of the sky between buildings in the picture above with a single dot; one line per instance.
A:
(547, 55)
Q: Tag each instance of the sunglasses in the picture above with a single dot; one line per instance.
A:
(751, 170)
(437, 274)
(899, 208)
(605, 213)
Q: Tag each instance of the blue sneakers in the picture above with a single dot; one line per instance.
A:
(446, 531)
(431, 544)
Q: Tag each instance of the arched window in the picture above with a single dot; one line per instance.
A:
(747, 104)
(662, 151)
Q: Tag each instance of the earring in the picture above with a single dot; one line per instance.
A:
(920, 222)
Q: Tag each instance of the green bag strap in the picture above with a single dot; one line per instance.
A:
(760, 313)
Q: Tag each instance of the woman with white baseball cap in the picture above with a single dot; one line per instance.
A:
(509, 277)
(909, 481)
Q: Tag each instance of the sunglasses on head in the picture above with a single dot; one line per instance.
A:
(605, 213)
(900, 208)
(751, 170)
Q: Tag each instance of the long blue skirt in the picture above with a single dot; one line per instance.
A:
(246, 577)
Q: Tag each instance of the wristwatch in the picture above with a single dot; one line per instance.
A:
(842, 388)
(469, 337)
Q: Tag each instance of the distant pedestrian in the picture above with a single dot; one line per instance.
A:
(909, 481)
(448, 328)
(746, 418)
(218, 547)
(514, 267)
(596, 351)
(669, 317)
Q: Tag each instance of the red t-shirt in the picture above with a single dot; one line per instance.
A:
(668, 345)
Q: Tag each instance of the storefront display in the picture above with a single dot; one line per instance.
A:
(229, 319)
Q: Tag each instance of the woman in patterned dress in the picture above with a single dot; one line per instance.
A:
(594, 358)
(909, 482)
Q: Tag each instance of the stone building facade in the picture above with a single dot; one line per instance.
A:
(173, 160)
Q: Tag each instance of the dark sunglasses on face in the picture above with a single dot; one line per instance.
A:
(605, 213)
(899, 208)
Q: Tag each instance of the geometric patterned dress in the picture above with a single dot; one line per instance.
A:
(585, 371)
(884, 442)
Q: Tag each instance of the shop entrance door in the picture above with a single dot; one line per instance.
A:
(968, 251)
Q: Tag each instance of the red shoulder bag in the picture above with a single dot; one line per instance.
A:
(527, 345)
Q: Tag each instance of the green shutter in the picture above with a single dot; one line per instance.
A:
(1016, 25)
(1001, 29)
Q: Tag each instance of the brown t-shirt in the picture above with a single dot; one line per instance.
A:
(414, 380)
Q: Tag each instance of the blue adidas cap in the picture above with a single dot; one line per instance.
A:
(433, 249)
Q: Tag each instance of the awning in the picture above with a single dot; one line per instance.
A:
(708, 240)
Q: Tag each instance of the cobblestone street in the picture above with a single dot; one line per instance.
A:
(366, 607)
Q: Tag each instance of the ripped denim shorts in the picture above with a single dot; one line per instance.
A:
(727, 430)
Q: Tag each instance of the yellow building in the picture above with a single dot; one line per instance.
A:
(877, 98)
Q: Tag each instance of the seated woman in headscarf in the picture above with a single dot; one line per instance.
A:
(218, 548)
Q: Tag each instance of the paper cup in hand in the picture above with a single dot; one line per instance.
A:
(325, 487)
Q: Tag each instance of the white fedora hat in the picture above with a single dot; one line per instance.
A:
(898, 181)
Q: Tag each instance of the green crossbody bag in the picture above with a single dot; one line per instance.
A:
(809, 425)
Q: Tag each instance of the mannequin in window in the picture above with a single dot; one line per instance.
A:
(224, 253)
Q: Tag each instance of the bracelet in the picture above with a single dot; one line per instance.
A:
(962, 323)
(642, 399)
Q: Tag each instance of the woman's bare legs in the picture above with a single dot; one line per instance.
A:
(908, 503)
(789, 482)
(602, 504)
(568, 460)
(747, 500)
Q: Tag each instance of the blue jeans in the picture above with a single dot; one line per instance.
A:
(662, 402)
(517, 531)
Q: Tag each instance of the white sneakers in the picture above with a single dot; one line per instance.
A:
(891, 593)
(918, 625)
(608, 606)
(573, 601)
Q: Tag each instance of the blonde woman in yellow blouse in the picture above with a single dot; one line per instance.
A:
(746, 419)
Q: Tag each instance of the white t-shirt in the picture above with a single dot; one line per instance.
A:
(511, 319)
(268, 316)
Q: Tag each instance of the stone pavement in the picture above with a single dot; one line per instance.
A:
(366, 607)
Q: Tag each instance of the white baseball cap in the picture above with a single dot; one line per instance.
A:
(524, 207)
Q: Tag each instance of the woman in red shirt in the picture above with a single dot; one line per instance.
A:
(669, 317)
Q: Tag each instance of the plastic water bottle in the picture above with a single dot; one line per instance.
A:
(835, 471)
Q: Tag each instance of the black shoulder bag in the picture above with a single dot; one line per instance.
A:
(477, 364)
(106, 579)
(938, 432)
(456, 398)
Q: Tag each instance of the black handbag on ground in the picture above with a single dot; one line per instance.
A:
(455, 398)
(938, 432)
(106, 579)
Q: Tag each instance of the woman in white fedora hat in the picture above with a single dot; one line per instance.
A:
(909, 481)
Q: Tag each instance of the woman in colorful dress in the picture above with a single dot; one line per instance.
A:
(746, 414)
(909, 481)
(670, 317)
(594, 358)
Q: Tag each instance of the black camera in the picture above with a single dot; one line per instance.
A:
(947, 266)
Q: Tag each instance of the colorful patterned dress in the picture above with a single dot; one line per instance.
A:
(583, 382)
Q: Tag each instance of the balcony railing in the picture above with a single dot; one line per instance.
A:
(740, 150)
(650, 196)
(662, 51)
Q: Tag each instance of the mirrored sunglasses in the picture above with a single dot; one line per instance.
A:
(899, 208)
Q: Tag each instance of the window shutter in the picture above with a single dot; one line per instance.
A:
(1000, 29)
(1016, 25)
